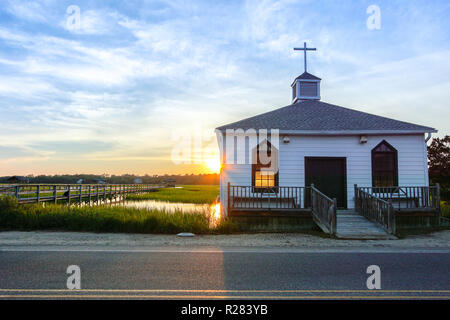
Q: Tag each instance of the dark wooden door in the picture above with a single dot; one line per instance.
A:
(329, 175)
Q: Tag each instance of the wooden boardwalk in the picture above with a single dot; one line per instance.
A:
(73, 192)
(351, 225)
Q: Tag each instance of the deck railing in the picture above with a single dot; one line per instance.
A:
(271, 198)
(407, 197)
(323, 210)
(28, 193)
(375, 209)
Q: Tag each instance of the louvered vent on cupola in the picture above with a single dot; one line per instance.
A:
(306, 87)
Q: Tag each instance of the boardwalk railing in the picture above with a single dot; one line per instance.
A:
(407, 197)
(29, 193)
(375, 209)
(273, 198)
(323, 210)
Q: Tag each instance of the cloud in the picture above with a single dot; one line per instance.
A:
(71, 147)
(27, 10)
(135, 73)
(414, 89)
(91, 22)
(7, 152)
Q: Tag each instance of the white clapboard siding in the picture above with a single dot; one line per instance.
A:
(412, 161)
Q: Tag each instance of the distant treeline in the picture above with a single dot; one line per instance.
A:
(125, 178)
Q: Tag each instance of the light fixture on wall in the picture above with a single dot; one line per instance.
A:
(286, 139)
(363, 139)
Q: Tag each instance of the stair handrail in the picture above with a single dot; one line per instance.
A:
(375, 209)
(323, 210)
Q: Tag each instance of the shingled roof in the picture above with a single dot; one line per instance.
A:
(317, 116)
(307, 76)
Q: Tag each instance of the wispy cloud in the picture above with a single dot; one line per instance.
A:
(109, 95)
(27, 10)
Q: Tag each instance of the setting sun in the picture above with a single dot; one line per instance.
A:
(213, 164)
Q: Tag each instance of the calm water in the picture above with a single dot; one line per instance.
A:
(166, 206)
(211, 211)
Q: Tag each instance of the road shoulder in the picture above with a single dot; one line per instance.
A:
(68, 240)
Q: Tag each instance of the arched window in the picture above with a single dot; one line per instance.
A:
(264, 167)
(384, 165)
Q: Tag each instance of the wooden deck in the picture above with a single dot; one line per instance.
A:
(379, 212)
(351, 225)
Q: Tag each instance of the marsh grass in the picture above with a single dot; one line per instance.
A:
(200, 194)
(445, 209)
(105, 218)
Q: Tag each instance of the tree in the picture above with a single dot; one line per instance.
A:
(439, 164)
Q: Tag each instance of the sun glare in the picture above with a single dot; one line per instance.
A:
(213, 164)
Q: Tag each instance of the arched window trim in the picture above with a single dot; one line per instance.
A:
(257, 167)
(395, 169)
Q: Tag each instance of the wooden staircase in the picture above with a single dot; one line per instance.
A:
(351, 225)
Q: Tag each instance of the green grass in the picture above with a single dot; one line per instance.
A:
(186, 194)
(104, 219)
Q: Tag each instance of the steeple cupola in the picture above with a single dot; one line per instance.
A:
(306, 86)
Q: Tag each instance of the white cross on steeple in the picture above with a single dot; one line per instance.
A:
(304, 50)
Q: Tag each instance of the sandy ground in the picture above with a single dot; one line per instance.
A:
(439, 239)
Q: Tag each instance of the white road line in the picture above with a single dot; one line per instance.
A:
(366, 291)
(226, 250)
(221, 297)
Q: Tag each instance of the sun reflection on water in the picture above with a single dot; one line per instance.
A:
(215, 214)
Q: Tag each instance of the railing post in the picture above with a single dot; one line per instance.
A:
(228, 200)
(311, 198)
(438, 197)
(333, 218)
(55, 197)
(391, 217)
(356, 197)
(16, 192)
(89, 190)
(38, 193)
(68, 195)
(80, 196)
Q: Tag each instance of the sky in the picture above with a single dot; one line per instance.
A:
(118, 86)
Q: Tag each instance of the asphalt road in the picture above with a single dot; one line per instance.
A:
(227, 273)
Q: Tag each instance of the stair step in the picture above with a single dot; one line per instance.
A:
(352, 225)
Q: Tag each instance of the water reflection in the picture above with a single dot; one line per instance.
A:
(166, 206)
(212, 211)
(216, 209)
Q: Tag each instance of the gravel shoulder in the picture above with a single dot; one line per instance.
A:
(10, 239)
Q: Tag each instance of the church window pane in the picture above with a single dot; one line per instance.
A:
(265, 176)
(384, 165)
